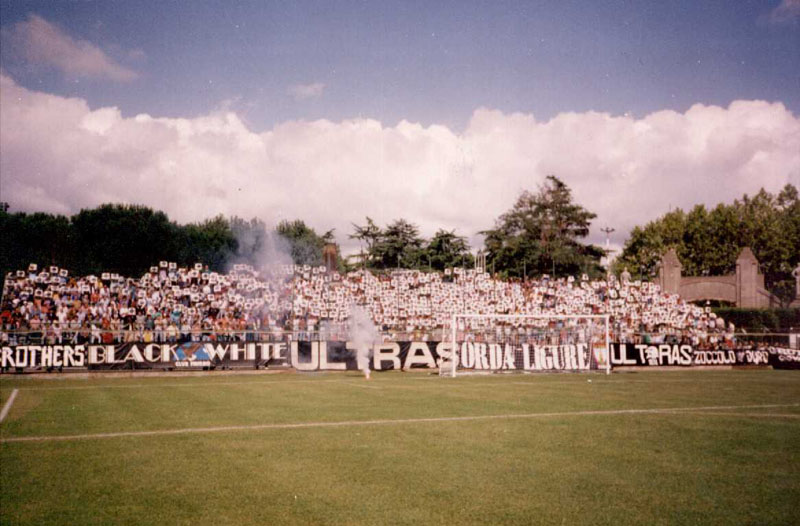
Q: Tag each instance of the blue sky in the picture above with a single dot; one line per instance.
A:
(427, 62)
(437, 112)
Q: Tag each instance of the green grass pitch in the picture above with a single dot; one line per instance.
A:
(667, 447)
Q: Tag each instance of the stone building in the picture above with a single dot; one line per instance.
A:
(745, 288)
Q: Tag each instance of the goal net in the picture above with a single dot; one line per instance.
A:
(526, 343)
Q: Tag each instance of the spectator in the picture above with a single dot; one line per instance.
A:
(177, 304)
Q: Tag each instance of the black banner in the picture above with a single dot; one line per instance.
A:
(337, 355)
(304, 356)
(784, 358)
(160, 356)
(474, 356)
(665, 354)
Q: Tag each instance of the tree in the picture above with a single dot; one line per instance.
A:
(328, 236)
(708, 243)
(127, 239)
(211, 242)
(369, 233)
(39, 238)
(447, 250)
(541, 235)
(644, 247)
(399, 245)
(305, 245)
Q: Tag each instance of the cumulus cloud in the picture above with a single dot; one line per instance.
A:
(137, 55)
(60, 155)
(306, 91)
(41, 42)
(787, 12)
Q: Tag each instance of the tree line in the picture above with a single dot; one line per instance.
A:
(128, 239)
(709, 241)
(542, 233)
(539, 234)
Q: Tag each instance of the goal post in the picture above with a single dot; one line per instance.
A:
(526, 343)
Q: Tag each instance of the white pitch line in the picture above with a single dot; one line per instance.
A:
(473, 381)
(177, 384)
(7, 406)
(365, 386)
(749, 415)
(347, 423)
(578, 382)
(554, 383)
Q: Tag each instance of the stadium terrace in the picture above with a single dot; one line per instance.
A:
(170, 304)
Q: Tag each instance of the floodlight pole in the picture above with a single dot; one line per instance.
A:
(608, 230)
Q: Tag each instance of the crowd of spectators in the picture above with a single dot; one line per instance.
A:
(169, 304)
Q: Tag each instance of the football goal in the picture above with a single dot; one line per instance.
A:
(526, 343)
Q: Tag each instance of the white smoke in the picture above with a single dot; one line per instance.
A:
(363, 335)
(269, 255)
(259, 246)
(274, 251)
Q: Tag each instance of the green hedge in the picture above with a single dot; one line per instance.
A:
(761, 320)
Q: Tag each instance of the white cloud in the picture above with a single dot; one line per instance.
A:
(787, 12)
(41, 42)
(306, 91)
(59, 155)
(137, 55)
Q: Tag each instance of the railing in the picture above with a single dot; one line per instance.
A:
(52, 336)
(106, 336)
(780, 339)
